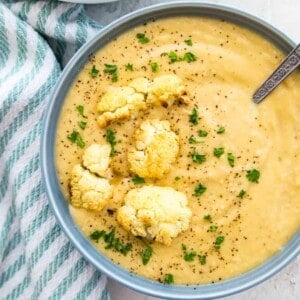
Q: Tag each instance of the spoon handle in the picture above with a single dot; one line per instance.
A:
(290, 63)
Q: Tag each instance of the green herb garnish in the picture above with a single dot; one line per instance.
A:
(221, 130)
(129, 67)
(112, 70)
(193, 140)
(177, 178)
(189, 57)
(199, 190)
(230, 159)
(202, 133)
(169, 278)
(213, 228)
(136, 179)
(96, 235)
(146, 255)
(80, 110)
(253, 175)
(193, 117)
(241, 194)
(189, 42)
(202, 259)
(219, 240)
(188, 255)
(218, 152)
(154, 67)
(94, 72)
(111, 139)
(142, 38)
(173, 57)
(198, 158)
(76, 138)
(207, 218)
(82, 124)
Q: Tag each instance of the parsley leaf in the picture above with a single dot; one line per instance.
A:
(207, 218)
(198, 158)
(173, 57)
(129, 67)
(199, 189)
(188, 255)
(146, 255)
(193, 117)
(111, 139)
(202, 259)
(189, 42)
(213, 228)
(82, 124)
(80, 110)
(218, 152)
(112, 70)
(241, 194)
(94, 72)
(189, 57)
(202, 133)
(136, 179)
(177, 178)
(142, 38)
(217, 243)
(96, 235)
(169, 278)
(253, 175)
(193, 140)
(154, 67)
(230, 159)
(76, 138)
(221, 130)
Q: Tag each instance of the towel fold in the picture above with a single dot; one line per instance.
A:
(37, 38)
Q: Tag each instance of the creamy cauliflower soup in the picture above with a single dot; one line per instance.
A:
(170, 169)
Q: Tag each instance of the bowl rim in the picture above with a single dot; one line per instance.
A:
(59, 205)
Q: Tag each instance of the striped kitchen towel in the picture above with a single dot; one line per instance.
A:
(37, 261)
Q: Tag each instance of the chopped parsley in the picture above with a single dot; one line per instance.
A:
(221, 130)
(154, 67)
(213, 228)
(82, 124)
(76, 138)
(112, 70)
(207, 218)
(241, 194)
(173, 57)
(218, 152)
(136, 179)
(189, 57)
(202, 259)
(111, 241)
(193, 117)
(253, 175)
(142, 38)
(193, 140)
(169, 278)
(80, 109)
(111, 139)
(189, 42)
(217, 243)
(146, 255)
(188, 255)
(230, 159)
(129, 67)
(177, 178)
(202, 133)
(198, 158)
(94, 72)
(199, 189)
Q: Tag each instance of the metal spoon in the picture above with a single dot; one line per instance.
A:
(290, 63)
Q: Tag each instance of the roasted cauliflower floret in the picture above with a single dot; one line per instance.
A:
(119, 103)
(87, 190)
(154, 212)
(156, 149)
(166, 89)
(96, 158)
(140, 84)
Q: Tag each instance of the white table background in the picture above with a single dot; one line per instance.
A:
(283, 14)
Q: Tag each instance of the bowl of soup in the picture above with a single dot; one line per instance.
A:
(158, 165)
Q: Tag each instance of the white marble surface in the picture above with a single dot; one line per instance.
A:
(285, 15)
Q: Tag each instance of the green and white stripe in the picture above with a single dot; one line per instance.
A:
(37, 38)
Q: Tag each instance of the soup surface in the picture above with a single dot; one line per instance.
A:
(243, 158)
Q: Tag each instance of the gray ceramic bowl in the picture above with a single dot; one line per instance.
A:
(60, 205)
